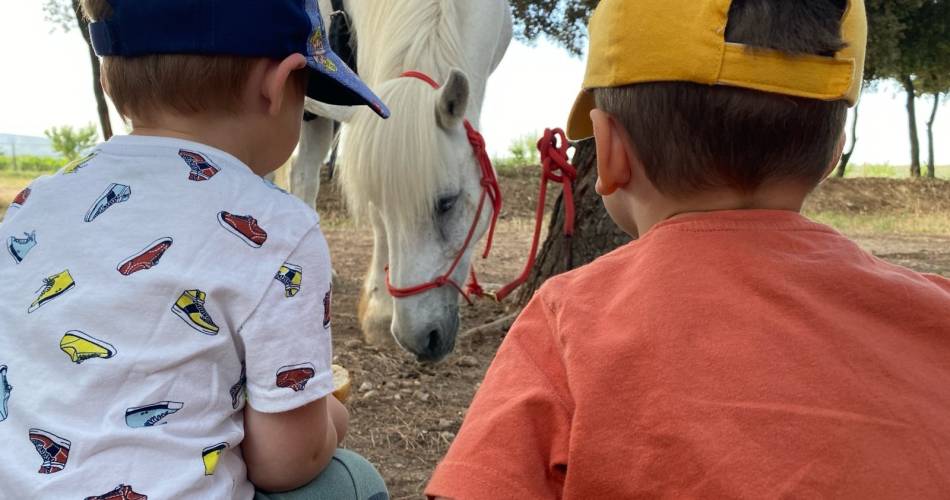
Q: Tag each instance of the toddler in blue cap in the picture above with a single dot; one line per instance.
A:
(165, 311)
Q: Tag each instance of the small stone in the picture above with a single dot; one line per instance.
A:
(406, 391)
(366, 386)
(420, 395)
(445, 423)
(370, 395)
(406, 383)
(467, 362)
(353, 344)
(446, 435)
(397, 397)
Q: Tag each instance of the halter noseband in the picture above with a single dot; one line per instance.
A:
(490, 191)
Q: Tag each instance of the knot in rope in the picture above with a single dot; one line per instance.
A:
(557, 167)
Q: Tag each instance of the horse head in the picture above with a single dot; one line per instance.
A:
(416, 178)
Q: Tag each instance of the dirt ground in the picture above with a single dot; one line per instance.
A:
(405, 415)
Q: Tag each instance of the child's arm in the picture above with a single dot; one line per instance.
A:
(284, 451)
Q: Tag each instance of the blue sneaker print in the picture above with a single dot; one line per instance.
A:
(5, 389)
(115, 193)
(19, 247)
(151, 415)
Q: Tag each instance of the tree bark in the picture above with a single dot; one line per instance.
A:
(595, 234)
(846, 157)
(103, 107)
(908, 84)
(931, 163)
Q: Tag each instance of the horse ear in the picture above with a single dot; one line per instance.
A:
(453, 100)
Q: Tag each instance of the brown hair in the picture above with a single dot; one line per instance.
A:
(693, 137)
(183, 84)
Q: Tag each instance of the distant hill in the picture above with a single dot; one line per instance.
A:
(25, 145)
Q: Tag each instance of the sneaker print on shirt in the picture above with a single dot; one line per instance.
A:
(152, 414)
(114, 194)
(327, 299)
(244, 227)
(53, 287)
(201, 168)
(296, 376)
(211, 456)
(53, 449)
(291, 276)
(80, 347)
(239, 389)
(21, 198)
(20, 247)
(146, 259)
(77, 165)
(190, 307)
(5, 389)
(121, 492)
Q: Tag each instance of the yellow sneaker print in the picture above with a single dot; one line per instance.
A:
(211, 455)
(291, 276)
(79, 164)
(80, 347)
(53, 287)
(190, 307)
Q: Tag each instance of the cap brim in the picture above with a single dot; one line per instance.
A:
(579, 125)
(333, 82)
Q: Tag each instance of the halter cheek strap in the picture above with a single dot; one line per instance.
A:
(490, 192)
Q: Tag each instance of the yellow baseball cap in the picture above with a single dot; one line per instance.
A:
(639, 41)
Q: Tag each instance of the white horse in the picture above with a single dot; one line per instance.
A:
(414, 177)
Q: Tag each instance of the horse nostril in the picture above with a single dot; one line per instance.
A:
(435, 340)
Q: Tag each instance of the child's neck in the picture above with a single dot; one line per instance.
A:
(779, 196)
(229, 134)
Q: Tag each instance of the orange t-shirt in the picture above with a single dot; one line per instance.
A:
(746, 354)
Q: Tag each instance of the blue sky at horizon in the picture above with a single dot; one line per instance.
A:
(50, 85)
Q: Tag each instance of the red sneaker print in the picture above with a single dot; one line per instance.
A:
(21, 198)
(121, 492)
(295, 377)
(201, 168)
(147, 259)
(53, 449)
(244, 227)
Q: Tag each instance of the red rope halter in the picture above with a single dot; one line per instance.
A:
(490, 191)
(555, 168)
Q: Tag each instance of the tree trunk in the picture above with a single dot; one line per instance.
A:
(846, 157)
(908, 84)
(931, 164)
(104, 121)
(595, 234)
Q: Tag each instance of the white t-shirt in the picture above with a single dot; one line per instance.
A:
(144, 290)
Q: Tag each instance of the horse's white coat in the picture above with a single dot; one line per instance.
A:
(395, 173)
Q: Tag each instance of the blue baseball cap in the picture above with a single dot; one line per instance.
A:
(250, 28)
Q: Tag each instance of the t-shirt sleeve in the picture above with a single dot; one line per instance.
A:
(287, 345)
(514, 441)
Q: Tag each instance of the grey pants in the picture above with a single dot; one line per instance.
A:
(348, 477)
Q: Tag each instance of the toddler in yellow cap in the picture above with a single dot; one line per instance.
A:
(737, 349)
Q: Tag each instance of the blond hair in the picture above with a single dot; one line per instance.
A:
(182, 84)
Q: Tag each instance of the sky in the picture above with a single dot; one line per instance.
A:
(50, 85)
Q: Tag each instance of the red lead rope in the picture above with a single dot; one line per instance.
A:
(556, 168)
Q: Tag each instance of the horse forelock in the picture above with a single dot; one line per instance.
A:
(397, 165)
(421, 35)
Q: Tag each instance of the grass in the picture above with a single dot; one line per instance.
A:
(889, 171)
(930, 224)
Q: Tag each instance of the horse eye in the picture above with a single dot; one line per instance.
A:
(446, 204)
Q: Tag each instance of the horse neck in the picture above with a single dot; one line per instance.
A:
(432, 36)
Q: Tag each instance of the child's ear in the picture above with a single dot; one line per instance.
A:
(613, 160)
(276, 79)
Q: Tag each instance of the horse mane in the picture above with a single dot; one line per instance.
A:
(398, 162)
